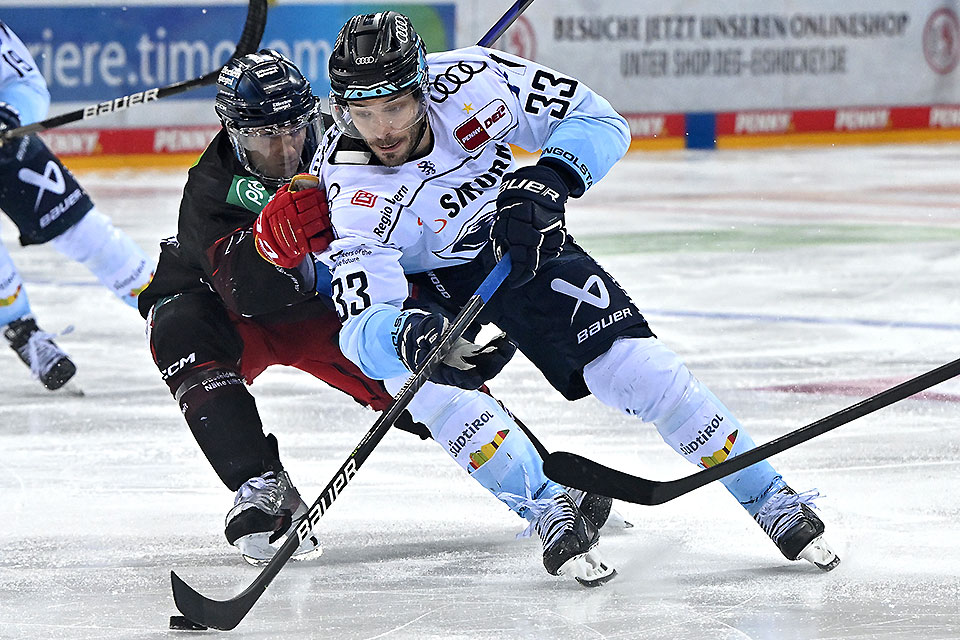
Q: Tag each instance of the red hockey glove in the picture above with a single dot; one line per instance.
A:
(294, 223)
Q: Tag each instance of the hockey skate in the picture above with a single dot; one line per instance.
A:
(48, 362)
(263, 511)
(788, 518)
(599, 509)
(569, 542)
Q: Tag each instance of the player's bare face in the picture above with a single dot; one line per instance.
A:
(390, 126)
(276, 156)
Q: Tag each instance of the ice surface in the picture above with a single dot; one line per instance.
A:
(793, 282)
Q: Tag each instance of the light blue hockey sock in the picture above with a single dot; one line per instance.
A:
(110, 255)
(644, 378)
(705, 432)
(487, 443)
(495, 451)
(14, 303)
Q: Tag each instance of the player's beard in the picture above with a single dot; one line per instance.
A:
(394, 150)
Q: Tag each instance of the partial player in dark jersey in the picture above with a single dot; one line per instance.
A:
(219, 314)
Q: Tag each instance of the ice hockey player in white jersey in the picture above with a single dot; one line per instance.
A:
(423, 187)
(45, 202)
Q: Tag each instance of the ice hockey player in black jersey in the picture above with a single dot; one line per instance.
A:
(422, 187)
(219, 314)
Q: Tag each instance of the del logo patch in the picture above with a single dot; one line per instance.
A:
(363, 199)
(489, 122)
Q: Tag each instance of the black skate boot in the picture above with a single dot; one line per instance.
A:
(569, 543)
(48, 362)
(599, 509)
(264, 509)
(788, 518)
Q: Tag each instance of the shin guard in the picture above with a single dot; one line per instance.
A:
(224, 420)
(642, 377)
(486, 442)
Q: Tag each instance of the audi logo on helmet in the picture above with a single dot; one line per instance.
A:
(365, 60)
(402, 34)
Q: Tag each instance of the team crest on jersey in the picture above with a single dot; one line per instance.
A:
(473, 235)
(363, 199)
(489, 122)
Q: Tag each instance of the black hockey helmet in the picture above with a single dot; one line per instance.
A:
(270, 113)
(376, 55)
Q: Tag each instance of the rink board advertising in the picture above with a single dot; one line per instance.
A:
(90, 54)
(684, 73)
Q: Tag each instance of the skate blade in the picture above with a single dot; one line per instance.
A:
(588, 569)
(71, 388)
(820, 554)
(615, 521)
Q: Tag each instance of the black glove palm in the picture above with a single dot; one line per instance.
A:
(529, 222)
(466, 365)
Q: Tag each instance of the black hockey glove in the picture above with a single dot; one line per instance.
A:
(9, 119)
(466, 365)
(529, 222)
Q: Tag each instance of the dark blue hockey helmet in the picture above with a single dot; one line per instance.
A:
(270, 113)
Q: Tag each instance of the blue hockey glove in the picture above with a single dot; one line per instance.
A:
(466, 365)
(529, 222)
(9, 119)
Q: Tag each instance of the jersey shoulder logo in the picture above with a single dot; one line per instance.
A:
(248, 193)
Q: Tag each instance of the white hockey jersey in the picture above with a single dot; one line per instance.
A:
(436, 211)
(21, 83)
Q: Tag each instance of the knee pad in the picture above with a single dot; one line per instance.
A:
(109, 253)
(639, 376)
(191, 331)
(642, 377)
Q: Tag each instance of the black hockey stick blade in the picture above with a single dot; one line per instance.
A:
(227, 614)
(197, 607)
(249, 40)
(585, 474)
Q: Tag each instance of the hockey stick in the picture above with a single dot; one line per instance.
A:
(248, 43)
(576, 471)
(227, 614)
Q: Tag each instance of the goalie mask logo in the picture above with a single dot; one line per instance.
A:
(51, 180)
